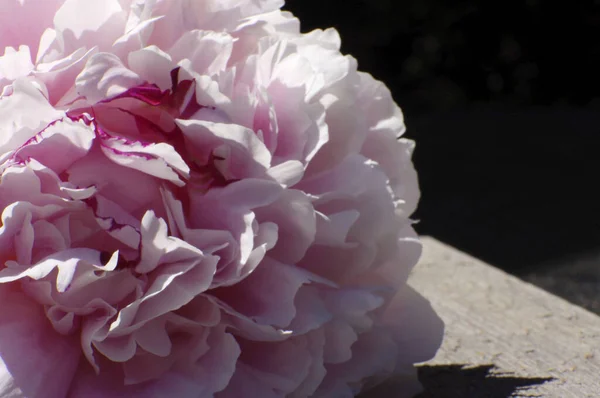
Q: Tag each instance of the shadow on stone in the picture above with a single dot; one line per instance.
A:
(484, 381)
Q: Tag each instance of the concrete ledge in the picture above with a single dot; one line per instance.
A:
(504, 337)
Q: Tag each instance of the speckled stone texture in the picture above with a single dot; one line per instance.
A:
(504, 337)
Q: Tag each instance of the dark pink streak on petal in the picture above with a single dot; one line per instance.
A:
(16, 158)
(148, 93)
(183, 96)
(114, 226)
(148, 128)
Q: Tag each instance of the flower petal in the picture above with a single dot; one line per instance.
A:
(208, 52)
(294, 215)
(35, 361)
(15, 31)
(158, 160)
(17, 123)
(110, 384)
(74, 138)
(15, 63)
(105, 76)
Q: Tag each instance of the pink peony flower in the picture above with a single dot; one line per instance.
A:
(196, 201)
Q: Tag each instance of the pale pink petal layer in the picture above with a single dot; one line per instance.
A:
(198, 200)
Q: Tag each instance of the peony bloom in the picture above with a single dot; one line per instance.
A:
(196, 201)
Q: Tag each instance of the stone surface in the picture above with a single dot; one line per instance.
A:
(504, 337)
(576, 279)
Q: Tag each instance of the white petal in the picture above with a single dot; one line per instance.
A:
(104, 77)
(17, 122)
(15, 63)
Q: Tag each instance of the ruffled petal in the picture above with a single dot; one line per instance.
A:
(17, 123)
(198, 200)
(83, 24)
(15, 63)
(210, 51)
(267, 294)
(158, 160)
(239, 152)
(86, 383)
(35, 361)
(104, 77)
(15, 31)
(295, 217)
(74, 138)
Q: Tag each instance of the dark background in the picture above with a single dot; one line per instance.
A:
(503, 100)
